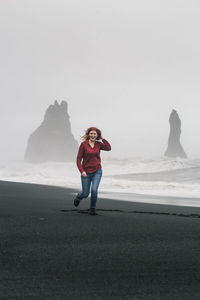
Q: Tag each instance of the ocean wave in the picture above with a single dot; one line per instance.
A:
(189, 174)
(159, 176)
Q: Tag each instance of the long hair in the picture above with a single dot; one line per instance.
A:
(86, 135)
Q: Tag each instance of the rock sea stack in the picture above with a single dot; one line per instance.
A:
(174, 148)
(53, 139)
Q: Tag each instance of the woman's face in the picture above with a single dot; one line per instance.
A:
(92, 135)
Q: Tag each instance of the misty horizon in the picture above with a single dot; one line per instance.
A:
(55, 135)
(122, 66)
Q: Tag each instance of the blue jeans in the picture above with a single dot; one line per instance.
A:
(86, 181)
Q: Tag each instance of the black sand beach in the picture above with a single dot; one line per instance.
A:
(52, 250)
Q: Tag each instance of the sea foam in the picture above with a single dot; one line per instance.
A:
(158, 176)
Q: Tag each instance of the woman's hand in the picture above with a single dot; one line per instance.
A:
(84, 174)
(101, 137)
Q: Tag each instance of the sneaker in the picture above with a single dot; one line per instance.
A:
(92, 211)
(76, 201)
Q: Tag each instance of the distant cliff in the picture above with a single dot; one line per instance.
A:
(53, 139)
(174, 146)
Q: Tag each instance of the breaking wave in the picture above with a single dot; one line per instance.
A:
(159, 176)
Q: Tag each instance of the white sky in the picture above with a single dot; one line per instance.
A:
(121, 66)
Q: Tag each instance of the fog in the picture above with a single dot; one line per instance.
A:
(121, 66)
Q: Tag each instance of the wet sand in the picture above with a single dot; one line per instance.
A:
(52, 250)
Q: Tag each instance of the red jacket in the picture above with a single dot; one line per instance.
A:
(91, 156)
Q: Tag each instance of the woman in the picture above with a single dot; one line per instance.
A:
(89, 164)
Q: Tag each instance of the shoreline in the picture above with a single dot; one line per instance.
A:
(169, 202)
(179, 179)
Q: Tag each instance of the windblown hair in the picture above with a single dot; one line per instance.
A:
(86, 135)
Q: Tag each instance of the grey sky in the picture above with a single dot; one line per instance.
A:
(120, 65)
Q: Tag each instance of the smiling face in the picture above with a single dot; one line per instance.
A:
(92, 135)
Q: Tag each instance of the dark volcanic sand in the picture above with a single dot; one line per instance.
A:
(51, 250)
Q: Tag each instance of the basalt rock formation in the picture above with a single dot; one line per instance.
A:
(53, 139)
(174, 146)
